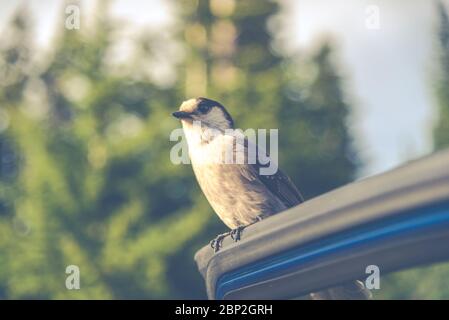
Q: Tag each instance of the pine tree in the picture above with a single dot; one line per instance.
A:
(93, 185)
(85, 173)
(441, 133)
(317, 125)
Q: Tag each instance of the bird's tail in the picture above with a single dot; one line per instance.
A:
(354, 290)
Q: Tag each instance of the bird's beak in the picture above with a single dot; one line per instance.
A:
(182, 115)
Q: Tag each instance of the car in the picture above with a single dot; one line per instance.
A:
(384, 223)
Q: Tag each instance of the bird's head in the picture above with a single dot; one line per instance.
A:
(209, 113)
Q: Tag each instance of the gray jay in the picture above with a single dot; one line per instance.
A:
(236, 190)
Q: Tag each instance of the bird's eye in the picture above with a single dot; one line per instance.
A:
(204, 108)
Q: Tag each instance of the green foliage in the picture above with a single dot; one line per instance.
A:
(441, 133)
(85, 173)
(428, 282)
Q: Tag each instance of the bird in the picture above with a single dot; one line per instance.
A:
(236, 190)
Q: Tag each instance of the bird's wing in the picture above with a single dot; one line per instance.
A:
(282, 187)
(279, 184)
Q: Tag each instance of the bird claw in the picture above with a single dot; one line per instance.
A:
(216, 243)
(236, 233)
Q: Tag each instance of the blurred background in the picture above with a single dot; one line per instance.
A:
(355, 87)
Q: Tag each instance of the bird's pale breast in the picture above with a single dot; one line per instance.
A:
(233, 190)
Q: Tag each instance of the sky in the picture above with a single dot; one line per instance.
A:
(385, 50)
(389, 70)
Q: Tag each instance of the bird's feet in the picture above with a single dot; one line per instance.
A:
(234, 233)
(237, 232)
(216, 243)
